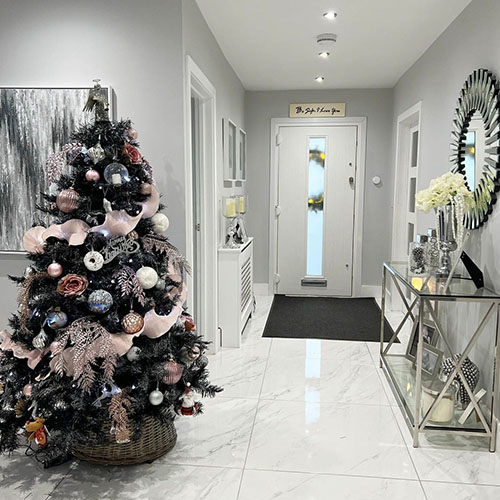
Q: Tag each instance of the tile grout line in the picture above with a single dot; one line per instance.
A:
(255, 416)
(73, 465)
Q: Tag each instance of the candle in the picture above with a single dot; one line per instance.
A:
(230, 207)
(242, 204)
(116, 179)
(417, 283)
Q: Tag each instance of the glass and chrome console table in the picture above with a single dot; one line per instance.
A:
(407, 376)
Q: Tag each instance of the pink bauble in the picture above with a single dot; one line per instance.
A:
(132, 133)
(27, 390)
(68, 200)
(92, 175)
(173, 373)
(55, 270)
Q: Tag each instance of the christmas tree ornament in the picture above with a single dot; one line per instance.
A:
(156, 397)
(173, 372)
(21, 407)
(189, 402)
(28, 390)
(132, 323)
(96, 153)
(55, 270)
(194, 352)
(72, 285)
(37, 431)
(202, 362)
(132, 153)
(93, 261)
(40, 340)
(189, 324)
(100, 301)
(160, 223)
(92, 175)
(133, 353)
(118, 246)
(146, 188)
(134, 235)
(68, 200)
(132, 134)
(116, 174)
(160, 284)
(147, 277)
(29, 270)
(57, 319)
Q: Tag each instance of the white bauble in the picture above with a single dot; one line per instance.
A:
(93, 260)
(147, 277)
(133, 353)
(160, 223)
(156, 397)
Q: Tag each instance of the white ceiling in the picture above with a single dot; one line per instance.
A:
(271, 44)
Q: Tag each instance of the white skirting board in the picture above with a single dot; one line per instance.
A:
(366, 290)
(261, 288)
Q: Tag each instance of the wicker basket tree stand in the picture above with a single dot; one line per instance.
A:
(156, 439)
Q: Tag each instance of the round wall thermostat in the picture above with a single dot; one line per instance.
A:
(376, 180)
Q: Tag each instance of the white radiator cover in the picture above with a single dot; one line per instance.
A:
(235, 292)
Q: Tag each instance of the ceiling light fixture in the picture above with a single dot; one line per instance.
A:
(324, 54)
(330, 15)
(319, 79)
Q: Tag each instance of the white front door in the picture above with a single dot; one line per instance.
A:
(316, 188)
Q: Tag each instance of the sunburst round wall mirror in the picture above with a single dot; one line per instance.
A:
(476, 143)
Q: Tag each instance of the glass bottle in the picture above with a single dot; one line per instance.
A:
(417, 255)
(432, 249)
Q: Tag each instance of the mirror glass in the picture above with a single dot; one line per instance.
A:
(474, 150)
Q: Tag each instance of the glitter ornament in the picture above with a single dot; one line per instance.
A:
(160, 223)
(28, 390)
(55, 270)
(57, 319)
(173, 373)
(156, 397)
(132, 134)
(134, 235)
(93, 261)
(147, 277)
(96, 153)
(92, 175)
(189, 324)
(100, 301)
(68, 200)
(133, 353)
(145, 188)
(40, 340)
(116, 174)
(132, 323)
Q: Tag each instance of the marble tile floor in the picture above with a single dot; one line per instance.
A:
(298, 420)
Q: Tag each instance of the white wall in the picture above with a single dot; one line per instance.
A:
(472, 41)
(376, 105)
(201, 45)
(135, 48)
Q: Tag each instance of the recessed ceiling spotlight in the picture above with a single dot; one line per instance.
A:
(324, 54)
(319, 79)
(330, 15)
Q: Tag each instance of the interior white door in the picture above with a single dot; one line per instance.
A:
(316, 193)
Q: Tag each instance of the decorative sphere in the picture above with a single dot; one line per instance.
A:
(100, 301)
(147, 277)
(93, 261)
(134, 235)
(57, 319)
(160, 223)
(173, 373)
(68, 200)
(194, 353)
(189, 324)
(160, 284)
(116, 174)
(145, 188)
(92, 175)
(133, 134)
(132, 323)
(55, 270)
(133, 353)
(28, 390)
(156, 398)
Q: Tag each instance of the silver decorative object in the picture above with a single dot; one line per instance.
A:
(478, 101)
(93, 261)
(40, 340)
(98, 102)
(100, 301)
(117, 246)
(447, 243)
(96, 153)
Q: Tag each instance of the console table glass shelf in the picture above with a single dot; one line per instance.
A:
(406, 376)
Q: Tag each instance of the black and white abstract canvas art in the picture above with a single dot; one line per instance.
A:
(34, 123)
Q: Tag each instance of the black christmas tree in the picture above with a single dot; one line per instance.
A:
(101, 339)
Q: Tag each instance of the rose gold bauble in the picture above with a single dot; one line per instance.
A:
(132, 133)
(27, 390)
(146, 188)
(173, 373)
(68, 200)
(55, 270)
(134, 235)
(92, 175)
(132, 323)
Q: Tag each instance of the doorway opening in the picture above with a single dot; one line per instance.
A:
(201, 201)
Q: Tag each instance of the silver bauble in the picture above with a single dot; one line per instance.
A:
(40, 340)
(156, 397)
(100, 301)
(133, 353)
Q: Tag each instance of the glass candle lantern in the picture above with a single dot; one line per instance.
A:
(229, 204)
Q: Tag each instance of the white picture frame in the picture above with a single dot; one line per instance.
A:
(242, 155)
(230, 147)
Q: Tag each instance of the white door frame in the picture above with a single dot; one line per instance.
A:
(360, 123)
(196, 83)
